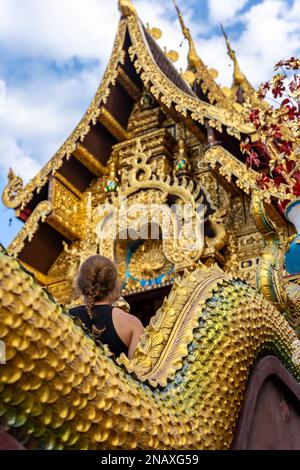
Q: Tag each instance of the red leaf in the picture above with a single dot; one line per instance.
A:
(282, 205)
(286, 147)
(263, 181)
(245, 146)
(253, 160)
(278, 180)
(278, 90)
(296, 189)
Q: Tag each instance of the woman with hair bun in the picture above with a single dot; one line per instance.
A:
(98, 283)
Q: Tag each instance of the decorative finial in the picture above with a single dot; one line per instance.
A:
(240, 80)
(173, 56)
(156, 33)
(127, 8)
(182, 165)
(112, 184)
(230, 51)
(195, 64)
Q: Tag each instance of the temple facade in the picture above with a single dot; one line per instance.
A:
(218, 366)
(152, 136)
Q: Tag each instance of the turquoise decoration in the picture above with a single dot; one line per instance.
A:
(111, 186)
(292, 257)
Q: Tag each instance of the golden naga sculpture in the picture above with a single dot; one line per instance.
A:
(272, 281)
(14, 187)
(60, 390)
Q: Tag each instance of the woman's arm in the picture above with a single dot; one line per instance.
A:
(137, 331)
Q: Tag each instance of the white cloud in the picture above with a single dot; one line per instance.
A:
(58, 29)
(270, 32)
(223, 10)
(37, 116)
(12, 155)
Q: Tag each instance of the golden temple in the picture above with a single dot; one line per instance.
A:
(154, 137)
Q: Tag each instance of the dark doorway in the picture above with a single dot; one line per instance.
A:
(145, 304)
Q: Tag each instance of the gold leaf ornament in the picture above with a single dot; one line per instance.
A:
(173, 56)
(189, 77)
(156, 33)
(214, 73)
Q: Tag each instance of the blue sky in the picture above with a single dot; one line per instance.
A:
(53, 54)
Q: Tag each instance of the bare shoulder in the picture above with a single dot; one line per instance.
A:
(134, 321)
(120, 313)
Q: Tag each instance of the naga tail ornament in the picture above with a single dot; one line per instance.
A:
(271, 280)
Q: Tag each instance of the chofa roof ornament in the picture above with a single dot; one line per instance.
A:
(127, 8)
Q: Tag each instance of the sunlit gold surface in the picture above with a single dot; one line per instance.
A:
(62, 391)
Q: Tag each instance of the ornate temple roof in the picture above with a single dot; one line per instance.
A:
(137, 65)
(136, 61)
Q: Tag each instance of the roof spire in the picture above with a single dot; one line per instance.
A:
(198, 70)
(127, 8)
(239, 78)
(194, 61)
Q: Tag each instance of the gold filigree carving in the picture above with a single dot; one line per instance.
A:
(168, 94)
(283, 291)
(148, 261)
(13, 188)
(66, 210)
(239, 78)
(142, 178)
(159, 143)
(148, 264)
(270, 270)
(200, 70)
(296, 352)
(40, 213)
(229, 166)
(217, 224)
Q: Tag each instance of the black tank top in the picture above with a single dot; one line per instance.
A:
(102, 319)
